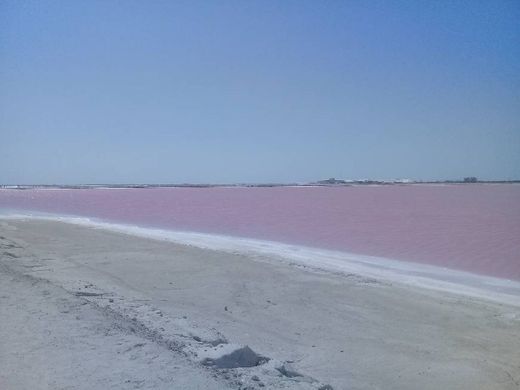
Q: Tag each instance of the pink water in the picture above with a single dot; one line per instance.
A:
(470, 227)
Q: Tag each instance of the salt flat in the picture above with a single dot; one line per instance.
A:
(84, 307)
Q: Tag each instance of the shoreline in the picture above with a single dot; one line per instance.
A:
(276, 323)
(413, 274)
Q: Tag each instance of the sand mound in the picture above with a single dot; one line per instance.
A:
(241, 357)
(287, 371)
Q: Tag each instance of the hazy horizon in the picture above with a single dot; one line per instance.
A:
(250, 183)
(258, 92)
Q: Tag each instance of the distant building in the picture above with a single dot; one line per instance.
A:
(470, 179)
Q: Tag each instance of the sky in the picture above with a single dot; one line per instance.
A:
(258, 91)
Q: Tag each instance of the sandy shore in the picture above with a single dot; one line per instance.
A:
(87, 308)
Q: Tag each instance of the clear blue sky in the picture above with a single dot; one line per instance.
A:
(258, 91)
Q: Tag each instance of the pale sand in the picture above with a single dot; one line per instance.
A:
(84, 308)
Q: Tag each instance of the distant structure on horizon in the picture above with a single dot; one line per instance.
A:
(331, 181)
(334, 181)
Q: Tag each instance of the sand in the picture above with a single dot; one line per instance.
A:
(88, 308)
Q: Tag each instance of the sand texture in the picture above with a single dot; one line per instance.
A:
(84, 308)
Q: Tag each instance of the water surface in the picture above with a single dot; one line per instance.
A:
(469, 227)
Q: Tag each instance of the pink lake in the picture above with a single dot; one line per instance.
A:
(469, 227)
